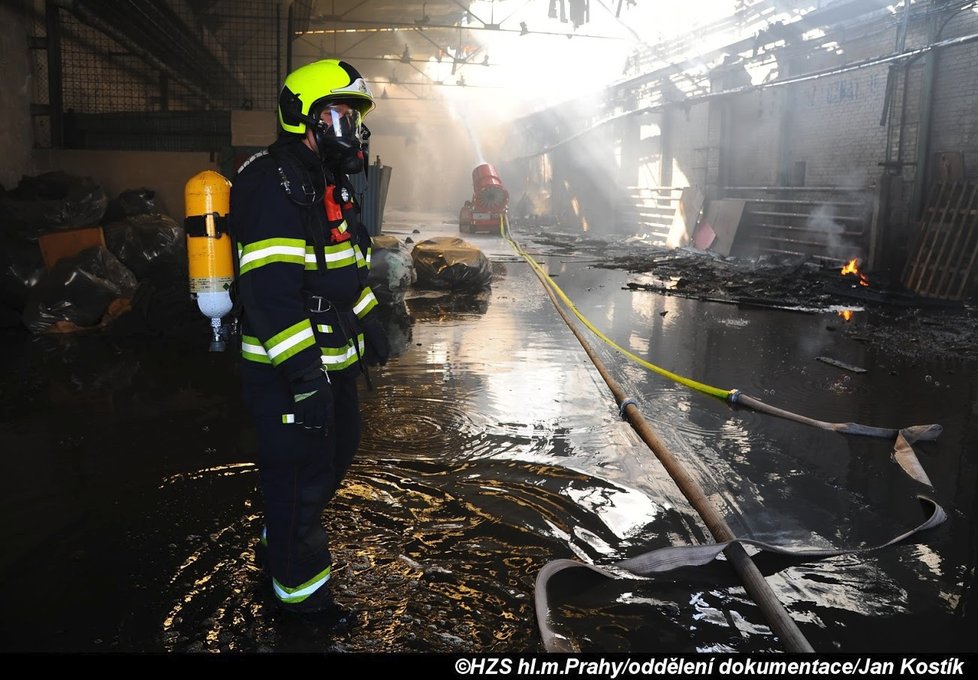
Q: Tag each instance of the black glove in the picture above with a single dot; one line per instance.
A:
(313, 400)
(378, 349)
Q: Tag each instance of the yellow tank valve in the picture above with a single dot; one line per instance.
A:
(209, 253)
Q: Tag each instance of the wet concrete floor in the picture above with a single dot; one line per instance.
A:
(491, 447)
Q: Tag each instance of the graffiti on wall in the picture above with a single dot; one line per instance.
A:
(845, 90)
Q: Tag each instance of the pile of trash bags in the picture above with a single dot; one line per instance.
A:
(49, 202)
(78, 291)
(143, 249)
(136, 281)
(153, 246)
(449, 263)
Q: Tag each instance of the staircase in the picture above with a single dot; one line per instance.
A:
(648, 210)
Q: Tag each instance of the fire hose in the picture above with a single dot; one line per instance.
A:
(906, 459)
(667, 559)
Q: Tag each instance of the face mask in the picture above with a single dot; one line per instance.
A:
(341, 138)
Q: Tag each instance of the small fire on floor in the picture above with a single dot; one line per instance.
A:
(851, 268)
(853, 283)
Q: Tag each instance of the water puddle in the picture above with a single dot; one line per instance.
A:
(491, 446)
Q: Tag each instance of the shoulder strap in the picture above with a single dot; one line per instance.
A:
(295, 179)
(298, 184)
(316, 232)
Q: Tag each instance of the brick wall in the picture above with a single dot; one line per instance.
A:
(833, 123)
(835, 127)
(954, 124)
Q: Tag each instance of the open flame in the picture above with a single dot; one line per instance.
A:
(852, 267)
(846, 314)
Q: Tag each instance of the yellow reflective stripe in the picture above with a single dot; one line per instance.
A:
(290, 342)
(252, 350)
(260, 253)
(301, 592)
(336, 257)
(336, 358)
(359, 257)
(366, 302)
(369, 251)
(324, 328)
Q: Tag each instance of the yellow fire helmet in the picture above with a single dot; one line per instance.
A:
(314, 85)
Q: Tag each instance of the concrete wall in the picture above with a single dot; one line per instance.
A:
(16, 135)
(166, 172)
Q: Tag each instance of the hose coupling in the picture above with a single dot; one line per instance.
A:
(624, 403)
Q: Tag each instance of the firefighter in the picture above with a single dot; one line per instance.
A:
(308, 321)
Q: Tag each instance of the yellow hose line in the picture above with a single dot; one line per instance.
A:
(688, 382)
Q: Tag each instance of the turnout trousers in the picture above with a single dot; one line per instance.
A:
(300, 471)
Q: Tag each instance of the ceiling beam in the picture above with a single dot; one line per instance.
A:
(366, 26)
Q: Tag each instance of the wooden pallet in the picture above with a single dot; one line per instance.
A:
(942, 259)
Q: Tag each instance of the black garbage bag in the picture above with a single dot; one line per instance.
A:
(132, 202)
(78, 291)
(391, 269)
(447, 262)
(165, 311)
(21, 267)
(52, 201)
(152, 246)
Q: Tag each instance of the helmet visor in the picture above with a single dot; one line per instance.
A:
(340, 121)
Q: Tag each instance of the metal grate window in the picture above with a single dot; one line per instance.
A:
(175, 68)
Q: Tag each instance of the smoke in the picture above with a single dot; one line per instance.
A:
(454, 114)
(822, 220)
(440, 119)
(433, 144)
(842, 242)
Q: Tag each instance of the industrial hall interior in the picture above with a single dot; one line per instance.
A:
(490, 327)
